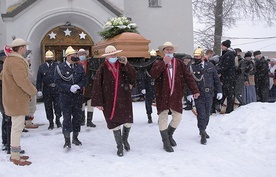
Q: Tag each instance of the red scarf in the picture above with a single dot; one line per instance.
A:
(114, 69)
(84, 65)
(171, 79)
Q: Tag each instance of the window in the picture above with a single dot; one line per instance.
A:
(155, 3)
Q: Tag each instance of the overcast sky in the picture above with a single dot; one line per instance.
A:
(243, 30)
(248, 30)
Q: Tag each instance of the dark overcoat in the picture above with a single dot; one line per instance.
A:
(164, 100)
(103, 94)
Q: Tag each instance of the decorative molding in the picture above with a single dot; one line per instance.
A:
(111, 7)
(28, 3)
(19, 9)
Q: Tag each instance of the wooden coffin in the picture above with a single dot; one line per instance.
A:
(133, 45)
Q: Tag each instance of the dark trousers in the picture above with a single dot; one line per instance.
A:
(203, 107)
(262, 91)
(229, 93)
(6, 130)
(51, 101)
(149, 99)
(71, 105)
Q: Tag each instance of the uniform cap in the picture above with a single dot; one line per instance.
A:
(49, 54)
(70, 51)
(198, 52)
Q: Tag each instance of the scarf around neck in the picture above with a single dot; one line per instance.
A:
(114, 69)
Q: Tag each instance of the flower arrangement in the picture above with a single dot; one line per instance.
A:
(117, 26)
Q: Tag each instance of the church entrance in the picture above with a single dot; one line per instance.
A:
(58, 39)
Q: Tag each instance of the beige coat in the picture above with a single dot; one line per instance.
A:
(17, 87)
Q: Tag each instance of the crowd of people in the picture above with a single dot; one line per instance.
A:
(209, 83)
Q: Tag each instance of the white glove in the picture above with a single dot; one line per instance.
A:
(143, 91)
(190, 98)
(219, 96)
(77, 86)
(39, 94)
(74, 88)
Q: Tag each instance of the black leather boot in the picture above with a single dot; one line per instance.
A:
(8, 147)
(203, 137)
(125, 137)
(58, 122)
(51, 125)
(67, 140)
(166, 142)
(207, 136)
(89, 120)
(149, 119)
(119, 141)
(82, 118)
(75, 140)
(170, 133)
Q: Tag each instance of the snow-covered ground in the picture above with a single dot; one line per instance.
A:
(242, 144)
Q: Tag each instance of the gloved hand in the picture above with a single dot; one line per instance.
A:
(77, 86)
(143, 91)
(74, 88)
(39, 94)
(190, 98)
(219, 96)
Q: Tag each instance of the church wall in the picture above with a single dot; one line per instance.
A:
(171, 22)
(42, 16)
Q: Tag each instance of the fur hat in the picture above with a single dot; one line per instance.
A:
(226, 43)
(166, 44)
(248, 54)
(18, 42)
(257, 53)
(110, 50)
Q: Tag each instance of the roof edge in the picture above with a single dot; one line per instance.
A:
(19, 9)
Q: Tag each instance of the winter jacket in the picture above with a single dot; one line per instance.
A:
(165, 100)
(17, 87)
(103, 94)
(226, 67)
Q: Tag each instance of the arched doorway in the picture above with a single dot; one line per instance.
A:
(59, 38)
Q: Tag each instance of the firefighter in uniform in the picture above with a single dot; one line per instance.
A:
(207, 79)
(47, 88)
(70, 79)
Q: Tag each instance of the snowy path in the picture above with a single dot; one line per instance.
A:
(242, 144)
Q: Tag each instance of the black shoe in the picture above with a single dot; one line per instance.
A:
(149, 119)
(203, 139)
(58, 122)
(67, 143)
(51, 126)
(67, 140)
(25, 130)
(207, 136)
(75, 140)
(187, 108)
(90, 124)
